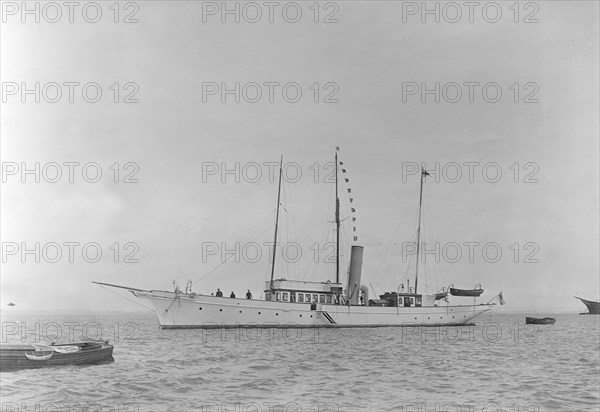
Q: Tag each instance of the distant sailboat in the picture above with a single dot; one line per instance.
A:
(593, 307)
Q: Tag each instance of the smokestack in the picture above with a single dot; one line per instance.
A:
(356, 257)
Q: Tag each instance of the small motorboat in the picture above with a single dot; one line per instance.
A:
(539, 321)
(16, 357)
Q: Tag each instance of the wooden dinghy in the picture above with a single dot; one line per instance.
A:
(16, 357)
(475, 292)
(539, 321)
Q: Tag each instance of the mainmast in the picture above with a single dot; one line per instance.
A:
(276, 222)
(423, 174)
(337, 223)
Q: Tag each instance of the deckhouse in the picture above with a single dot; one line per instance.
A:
(297, 291)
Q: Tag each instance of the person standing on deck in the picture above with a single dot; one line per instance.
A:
(248, 294)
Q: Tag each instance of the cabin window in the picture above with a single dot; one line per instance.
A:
(292, 297)
(400, 301)
(407, 301)
(276, 295)
(328, 298)
(284, 296)
(267, 295)
(300, 297)
(307, 298)
(418, 301)
(322, 298)
(315, 298)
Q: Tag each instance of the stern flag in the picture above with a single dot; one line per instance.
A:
(337, 148)
(424, 172)
(501, 298)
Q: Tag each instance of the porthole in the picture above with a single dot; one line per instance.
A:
(311, 316)
(199, 308)
(220, 310)
(277, 314)
(259, 313)
(240, 311)
(300, 315)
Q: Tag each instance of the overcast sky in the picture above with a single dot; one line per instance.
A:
(370, 66)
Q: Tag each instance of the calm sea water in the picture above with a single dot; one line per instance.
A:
(499, 364)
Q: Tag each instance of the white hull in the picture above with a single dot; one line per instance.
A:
(180, 310)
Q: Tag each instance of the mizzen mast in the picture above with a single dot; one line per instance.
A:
(337, 222)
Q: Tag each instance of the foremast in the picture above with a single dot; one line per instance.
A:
(423, 174)
(276, 223)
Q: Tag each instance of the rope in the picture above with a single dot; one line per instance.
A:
(376, 274)
(151, 252)
(231, 255)
(126, 298)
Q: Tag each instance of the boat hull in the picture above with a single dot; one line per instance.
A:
(176, 311)
(593, 307)
(539, 321)
(466, 292)
(17, 357)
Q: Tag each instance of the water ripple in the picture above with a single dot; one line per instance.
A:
(500, 362)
